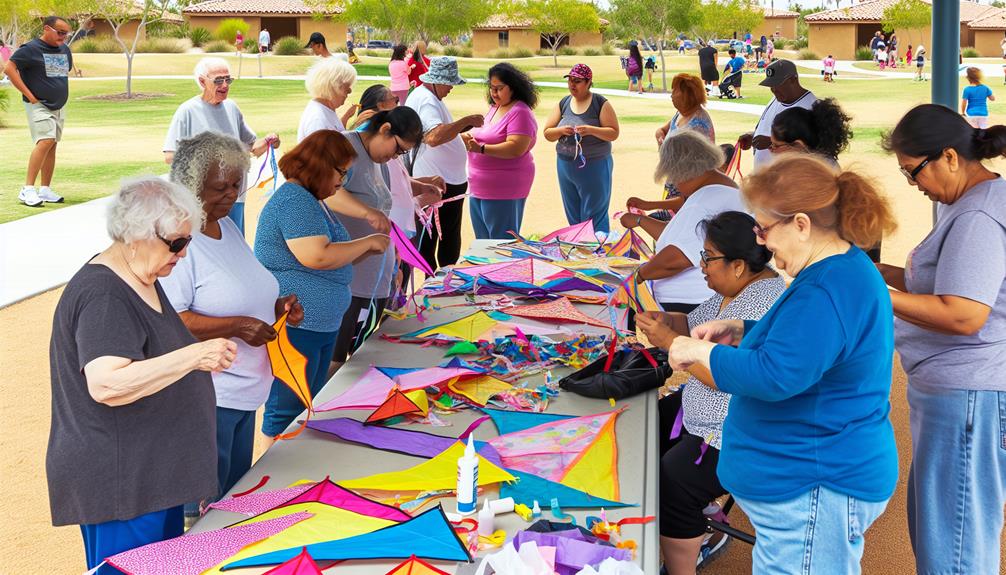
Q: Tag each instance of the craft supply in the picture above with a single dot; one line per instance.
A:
(500, 506)
(453, 517)
(523, 511)
(468, 477)
(487, 521)
(535, 510)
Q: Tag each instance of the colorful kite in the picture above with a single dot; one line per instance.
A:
(415, 566)
(401, 403)
(513, 421)
(478, 389)
(407, 251)
(478, 326)
(374, 386)
(582, 233)
(630, 245)
(557, 310)
(636, 295)
(528, 275)
(290, 367)
(530, 488)
(302, 564)
(428, 535)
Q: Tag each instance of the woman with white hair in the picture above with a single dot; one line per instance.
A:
(690, 162)
(211, 111)
(132, 434)
(329, 82)
(221, 290)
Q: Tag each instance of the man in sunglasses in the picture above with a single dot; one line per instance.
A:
(40, 70)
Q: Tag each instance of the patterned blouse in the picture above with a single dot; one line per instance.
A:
(700, 121)
(704, 408)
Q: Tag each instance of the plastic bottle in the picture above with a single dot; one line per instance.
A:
(468, 478)
(535, 510)
(500, 506)
(486, 520)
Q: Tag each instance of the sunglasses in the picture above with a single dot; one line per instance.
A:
(176, 245)
(911, 175)
(60, 33)
(706, 258)
(221, 80)
(762, 231)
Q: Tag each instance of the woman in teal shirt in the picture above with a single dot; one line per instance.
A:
(808, 449)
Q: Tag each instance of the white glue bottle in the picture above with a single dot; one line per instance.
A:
(468, 479)
(486, 520)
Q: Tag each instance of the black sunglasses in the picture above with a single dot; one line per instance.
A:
(911, 175)
(176, 245)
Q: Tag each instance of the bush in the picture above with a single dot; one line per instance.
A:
(567, 51)
(607, 49)
(251, 46)
(591, 52)
(522, 53)
(501, 54)
(164, 46)
(543, 52)
(217, 46)
(970, 53)
(97, 45)
(864, 54)
(452, 51)
(434, 48)
(4, 105)
(199, 36)
(288, 46)
(806, 54)
(228, 28)
(798, 44)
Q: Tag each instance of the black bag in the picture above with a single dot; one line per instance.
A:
(630, 373)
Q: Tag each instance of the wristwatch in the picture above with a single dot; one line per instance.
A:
(483, 149)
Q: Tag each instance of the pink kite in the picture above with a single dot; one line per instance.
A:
(558, 310)
(193, 554)
(582, 233)
(324, 491)
(302, 564)
(372, 389)
(407, 251)
(261, 501)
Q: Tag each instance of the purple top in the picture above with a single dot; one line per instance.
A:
(492, 178)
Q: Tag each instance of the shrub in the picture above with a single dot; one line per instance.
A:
(228, 28)
(376, 53)
(501, 54)
(970, 53)
(522, 53)
(4, 105)
(200, 36)
(591, 52)
(251, 45)
(806, 54)
(863, 53)
(452, 51)
(217, 46)
(467, 52)
(97, 45)
(434, 48)
(607, 49)
(567, 51)
(288, 46)
(798, 44)
(543, 52)
(164, 46)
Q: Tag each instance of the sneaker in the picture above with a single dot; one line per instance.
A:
(49, 196)
(29, 197)
(711, 549)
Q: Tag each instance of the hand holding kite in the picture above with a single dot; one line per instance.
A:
(378, 221)
(657, 328)
(289, 304)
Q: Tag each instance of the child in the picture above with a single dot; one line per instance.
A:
(892, 58)
(920, 63)
(908, 56)
(974, 100)
(829, 69)
(651, 66)
(882, 56)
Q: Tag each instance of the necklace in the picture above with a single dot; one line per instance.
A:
(125, 262)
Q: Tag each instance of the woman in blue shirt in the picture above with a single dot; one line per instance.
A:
(974, 100)
(303, 243)
(808, 449)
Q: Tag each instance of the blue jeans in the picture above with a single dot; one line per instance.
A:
(492, 219)
(283, 405)
(818, 532)
(102, 540)
(235, 443)
(957, 483)
(586, 191)
(237, 215)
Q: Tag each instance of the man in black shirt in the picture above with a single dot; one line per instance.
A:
(40, 70)
(707, 64)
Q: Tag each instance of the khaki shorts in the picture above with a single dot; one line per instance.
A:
(44, 124)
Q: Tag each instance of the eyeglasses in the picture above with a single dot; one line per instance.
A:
(342, 172)
(497, 89)
(399, 150)
(762, 231)
(706, 258)
(60, 33)
(221, 80)
(176, 245)
(911, 175)
(782, 147)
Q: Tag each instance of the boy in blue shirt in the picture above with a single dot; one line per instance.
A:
(733, 68)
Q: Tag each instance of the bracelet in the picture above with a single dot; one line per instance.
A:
(483, 151)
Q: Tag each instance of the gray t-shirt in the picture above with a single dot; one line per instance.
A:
(115, 463)
(592, 146)
(370, 183)
(964, 255)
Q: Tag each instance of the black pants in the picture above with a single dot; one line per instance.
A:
(349, 339)
(444, 251)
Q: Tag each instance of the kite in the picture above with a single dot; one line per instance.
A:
(630, 245)
(400, 403)
(415, 566)
(374, 386)
(407, 251)
(428, 535)
(530, 488)
(260, 501)
(637, 295)
(478, 389)
(195, 553)
(558, 310)
(302, 564)
(528, 276)
(290, 367)
(512, 421)
(581, 233)
(480, 325)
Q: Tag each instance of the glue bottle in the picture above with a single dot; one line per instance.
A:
(486, 520)
(468, 478)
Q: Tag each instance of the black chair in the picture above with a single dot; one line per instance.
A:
(725, 528)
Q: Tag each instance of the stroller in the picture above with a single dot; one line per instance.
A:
(728, 83)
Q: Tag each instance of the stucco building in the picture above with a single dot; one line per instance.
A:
(989, 31)
(281, 17)
(777, 21)
(501, 32)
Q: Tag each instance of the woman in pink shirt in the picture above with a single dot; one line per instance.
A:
(500, 164)
(400, 68)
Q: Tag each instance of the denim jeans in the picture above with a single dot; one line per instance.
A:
(586, 191)
(495, 219)
(817, 533)
(283, 405)
(957, 483)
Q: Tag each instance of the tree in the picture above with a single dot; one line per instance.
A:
(117, 13)
(907, 15)
(721, 18)
(556, 20)
(659, 19)
(406, 19)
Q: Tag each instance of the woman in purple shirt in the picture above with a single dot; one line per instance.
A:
(500, 164)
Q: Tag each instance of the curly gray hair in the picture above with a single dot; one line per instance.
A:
(196, 155)
(686, 154)
(148, 207)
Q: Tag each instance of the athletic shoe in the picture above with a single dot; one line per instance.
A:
(49, 196)
(29, 197)
(711, 549)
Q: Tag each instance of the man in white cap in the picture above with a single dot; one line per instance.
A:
(442, 153)
(780, 77)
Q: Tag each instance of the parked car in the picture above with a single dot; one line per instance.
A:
(379, 44)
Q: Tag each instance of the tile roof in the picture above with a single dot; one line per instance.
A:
(136, 9)
(873, 11)
(991, 20)
(292, 7)
(778, 13)
(502, 22)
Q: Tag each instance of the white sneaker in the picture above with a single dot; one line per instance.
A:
(29, 197)
(49, 196)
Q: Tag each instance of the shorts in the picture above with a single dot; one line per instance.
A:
(686, 488)
(635, 79)
(920, 65)
(43, 123)
(710, 74)
(979, 122)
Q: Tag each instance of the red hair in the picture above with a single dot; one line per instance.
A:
(693, 91)
(313, 160)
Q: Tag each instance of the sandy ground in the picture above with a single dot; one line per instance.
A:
(29, 544)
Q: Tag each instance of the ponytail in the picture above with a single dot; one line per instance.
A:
(929, 129)
(864, 216)
(990, 142)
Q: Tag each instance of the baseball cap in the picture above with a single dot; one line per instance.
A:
(580, 71)
(778, 72)
(316, 38)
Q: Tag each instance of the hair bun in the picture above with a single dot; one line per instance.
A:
(990, 143)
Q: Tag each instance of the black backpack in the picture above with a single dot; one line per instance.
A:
(630, 372)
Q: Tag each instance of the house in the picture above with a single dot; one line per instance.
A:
(839, 32)
(777, 21)
(989, 31)
(281, 17)
(501, 32)
(102, 27)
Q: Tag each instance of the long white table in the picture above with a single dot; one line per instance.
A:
(313, 455)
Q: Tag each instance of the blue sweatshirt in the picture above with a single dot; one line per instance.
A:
(811, 383)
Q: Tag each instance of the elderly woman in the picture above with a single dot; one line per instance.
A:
(810, 382)
(211, 111)
(691, 162)
(388, 135)
(736, 269)
(132, 436)
(221, 290)
(950, 311)
(329, 82)
(583, 125)
(688, 95)
(500, 164)
(304, 244)
(376, 98)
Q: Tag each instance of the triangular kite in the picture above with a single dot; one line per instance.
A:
(480, 325)
(513, 421)
(638, 296)
(434, 474)
(530, 488)
(290, 367)
(415, 566)
(302, 564)
(576, 233)
(373, 387)
(398, 403)
(630, 245)
(428, 535)
(557, 310)
(407, 251)
(478, 389)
